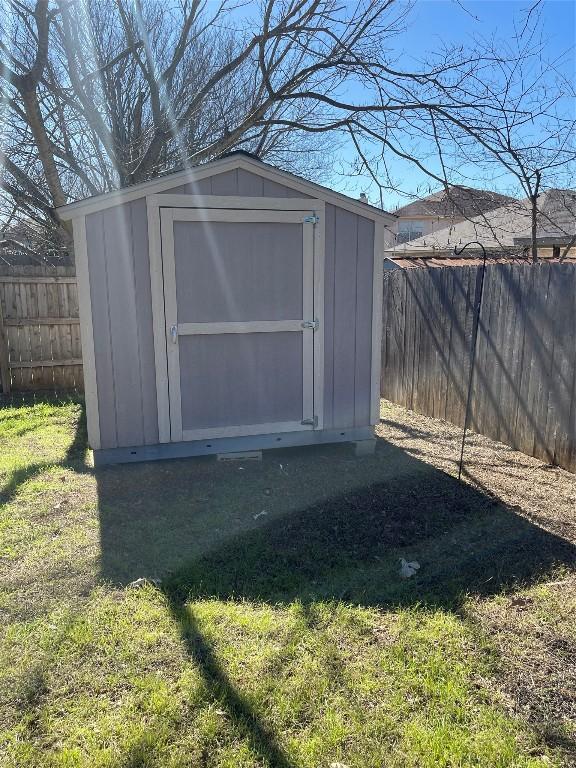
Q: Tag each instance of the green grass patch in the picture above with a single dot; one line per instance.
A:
(279, 633)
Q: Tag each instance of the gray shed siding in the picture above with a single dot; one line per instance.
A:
(117, 243)
(236, 182)
(348, 274)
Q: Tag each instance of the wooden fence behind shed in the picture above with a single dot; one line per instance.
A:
(525, 375)
(39, 329)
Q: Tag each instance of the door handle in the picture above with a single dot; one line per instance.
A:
(314, 324)
(174, 333)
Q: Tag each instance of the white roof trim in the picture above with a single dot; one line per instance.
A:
(119, 196)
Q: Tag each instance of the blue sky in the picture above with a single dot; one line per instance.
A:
(454, 21)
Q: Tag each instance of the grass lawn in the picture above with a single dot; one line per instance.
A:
(274, 629)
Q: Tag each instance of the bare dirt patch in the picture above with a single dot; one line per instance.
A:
(542, 493)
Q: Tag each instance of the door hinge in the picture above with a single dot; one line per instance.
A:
(314, 324)
(314, 219)
(313, 422)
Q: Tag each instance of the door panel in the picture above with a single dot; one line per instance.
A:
(253, 378)
(239, 310)
(228, 272)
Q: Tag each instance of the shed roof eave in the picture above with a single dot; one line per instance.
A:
(229, 162)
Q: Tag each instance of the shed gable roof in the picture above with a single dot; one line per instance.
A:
(228, 162)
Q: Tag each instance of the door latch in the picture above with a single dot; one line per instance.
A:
(313, 219)
(174, 333)
(314, 324)
(313, 422)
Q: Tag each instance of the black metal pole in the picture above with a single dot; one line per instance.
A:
(473, 347)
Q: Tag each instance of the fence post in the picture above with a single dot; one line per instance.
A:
(4, 363)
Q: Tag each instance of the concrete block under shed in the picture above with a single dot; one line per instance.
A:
(240, 456)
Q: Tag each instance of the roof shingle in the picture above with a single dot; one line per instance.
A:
(455, 202)
(506, 227)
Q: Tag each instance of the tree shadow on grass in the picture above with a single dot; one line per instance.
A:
(249, 725)
(309, 525)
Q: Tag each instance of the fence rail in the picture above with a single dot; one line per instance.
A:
(525, 376)
(39, 329)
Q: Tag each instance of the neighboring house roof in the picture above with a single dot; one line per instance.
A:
(410, 261)
(227, 162)
(455, 202)
(505, 228)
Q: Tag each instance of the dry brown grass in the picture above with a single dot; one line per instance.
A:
(534, 633)
(534, 629)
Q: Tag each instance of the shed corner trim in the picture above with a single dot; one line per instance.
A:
(86, 331)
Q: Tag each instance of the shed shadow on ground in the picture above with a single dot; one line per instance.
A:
(313, 524)
(309, 524)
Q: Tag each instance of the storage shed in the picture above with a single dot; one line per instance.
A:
(227, 307)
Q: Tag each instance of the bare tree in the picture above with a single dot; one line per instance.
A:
(98, 94)
(524, 136)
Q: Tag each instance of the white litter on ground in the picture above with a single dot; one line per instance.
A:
(408, 569)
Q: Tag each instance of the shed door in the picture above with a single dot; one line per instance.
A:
(240, 321)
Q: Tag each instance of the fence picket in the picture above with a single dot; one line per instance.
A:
(526, 366)
(41, 329)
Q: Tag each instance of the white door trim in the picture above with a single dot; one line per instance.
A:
(377, 297)
(168, 200)
(243, 216)
(318, 337)
(256, 326)
(245, 430)
(160, 233)
(158, 320)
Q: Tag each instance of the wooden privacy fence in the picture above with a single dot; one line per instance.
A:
(525, 373)
(39, 329)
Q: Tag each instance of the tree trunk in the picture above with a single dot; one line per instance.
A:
(36, 125)
(46, 156)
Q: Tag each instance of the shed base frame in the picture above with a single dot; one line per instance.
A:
(224, 445)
